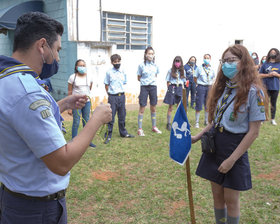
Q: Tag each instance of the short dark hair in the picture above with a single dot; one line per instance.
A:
(33, 26)
(115, 57)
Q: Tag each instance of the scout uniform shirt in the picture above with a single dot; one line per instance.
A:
(30, 128)
(115, 79)
(205, 75)
(148, 73)
(252, 110)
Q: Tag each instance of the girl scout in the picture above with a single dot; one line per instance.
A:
(176, 77)
(228, 169)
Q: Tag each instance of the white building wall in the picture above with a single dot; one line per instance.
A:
(183, 28)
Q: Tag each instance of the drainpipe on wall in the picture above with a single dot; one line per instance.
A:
(77, 19)
(100, 10)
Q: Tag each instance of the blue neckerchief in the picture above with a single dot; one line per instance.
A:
(9, 66)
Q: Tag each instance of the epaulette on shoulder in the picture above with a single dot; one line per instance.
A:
(29, 83)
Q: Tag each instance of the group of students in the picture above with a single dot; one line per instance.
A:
(238, 80)
(196, 79)
(35, 168)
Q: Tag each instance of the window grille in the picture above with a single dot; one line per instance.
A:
(129, 32)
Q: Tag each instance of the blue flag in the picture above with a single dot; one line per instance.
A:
(180, 136)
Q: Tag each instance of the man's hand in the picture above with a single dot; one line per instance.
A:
(72, 102)
(103, 113)
(76, 101)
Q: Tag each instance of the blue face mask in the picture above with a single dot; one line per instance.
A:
(230, 69)
(82, 70)
(263, 61)
(49, 70)
(206, 61)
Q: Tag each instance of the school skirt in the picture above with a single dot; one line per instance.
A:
(173, 95)
(239, 176)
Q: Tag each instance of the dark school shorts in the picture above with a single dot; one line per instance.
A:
(173, 95)
(146, 91)
(239, 176)
(201, 97)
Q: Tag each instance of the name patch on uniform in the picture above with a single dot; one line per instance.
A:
(45, 113)
(39, 103)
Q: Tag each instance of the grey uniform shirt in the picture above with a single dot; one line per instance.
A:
(252, 110)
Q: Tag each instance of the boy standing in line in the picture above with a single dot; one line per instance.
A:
(114, 81)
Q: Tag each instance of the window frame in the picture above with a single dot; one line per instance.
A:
(128, 31)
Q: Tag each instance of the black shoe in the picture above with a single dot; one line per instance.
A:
(107, 140)
(92, 145)
(168, 127)
(128, 136)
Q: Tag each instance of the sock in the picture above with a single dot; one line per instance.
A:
(206, 117)
(233, 220)
(154, 121)
(197, 117)
(168, 119)
(140, 120)
(220, 215)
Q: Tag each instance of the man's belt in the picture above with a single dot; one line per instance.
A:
(118, 94)
(56, 196)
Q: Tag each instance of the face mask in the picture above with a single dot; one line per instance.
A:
(273, 56)
(191, 63)
(206, 61)
(177, 64)
(117, 66)
(230, 69)
(49, 70)
(263, 61)
(149, 57)
(254, 56)
(82, 70)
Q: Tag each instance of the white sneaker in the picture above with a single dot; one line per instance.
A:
(156, 130)
(273, 122)
(196, 125)
(140, 132)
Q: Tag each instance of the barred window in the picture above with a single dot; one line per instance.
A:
(127, 31)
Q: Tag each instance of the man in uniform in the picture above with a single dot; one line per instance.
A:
(35, 159)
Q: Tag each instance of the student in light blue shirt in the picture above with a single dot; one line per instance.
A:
(35, 159)
(235, 125)
(176, 77)
(204, 76)
(147, 75)
(114, 81)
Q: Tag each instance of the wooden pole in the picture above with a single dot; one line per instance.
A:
(188, 170)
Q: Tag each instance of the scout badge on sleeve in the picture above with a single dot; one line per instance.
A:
(180, 136)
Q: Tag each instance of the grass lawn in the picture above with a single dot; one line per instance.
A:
(135, 181)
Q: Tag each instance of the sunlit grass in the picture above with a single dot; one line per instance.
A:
(135, 181)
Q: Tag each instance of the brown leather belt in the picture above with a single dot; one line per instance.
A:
(56, 196)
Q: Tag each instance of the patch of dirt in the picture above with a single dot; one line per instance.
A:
(175, 206)
(104, 175)
(274, 175)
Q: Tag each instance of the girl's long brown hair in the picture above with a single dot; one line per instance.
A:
(174, 69)
(246, 77)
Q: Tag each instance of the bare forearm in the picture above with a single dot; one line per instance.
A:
(62, 105)
(62, 160)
